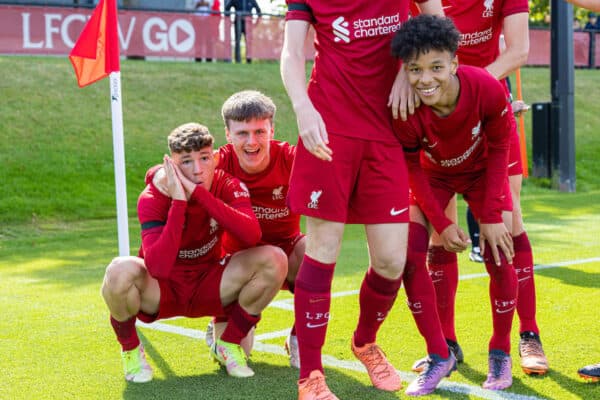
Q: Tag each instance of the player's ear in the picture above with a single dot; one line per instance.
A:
(227, 134)
(216, 156)
(454, 65)
(272, 133)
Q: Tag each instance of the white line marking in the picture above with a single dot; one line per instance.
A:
(287, 304)
(334, 362)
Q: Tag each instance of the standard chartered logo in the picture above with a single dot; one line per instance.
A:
(340, 30)
(363, 28)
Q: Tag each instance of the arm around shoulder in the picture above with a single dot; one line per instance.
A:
(593, 5)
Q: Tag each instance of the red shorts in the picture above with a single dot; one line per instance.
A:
(366, 183)
(515, 165)
(288, 245)
(471, 187)
(193, 291)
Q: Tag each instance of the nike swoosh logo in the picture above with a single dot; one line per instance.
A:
(433, 145)
(504, 311)
(394, 212)
(311, 301)
(512, 164)
(436, 280)
(309, 325)
(524, 279)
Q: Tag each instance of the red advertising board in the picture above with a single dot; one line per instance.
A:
(54, 30)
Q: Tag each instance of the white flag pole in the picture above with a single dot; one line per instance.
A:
(119, 161)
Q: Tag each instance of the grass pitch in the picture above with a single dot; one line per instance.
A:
(58, 232)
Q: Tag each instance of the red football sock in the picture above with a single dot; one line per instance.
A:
(523, 262)
(443, 268)
(421, 293)
(126, 333)
(238, 325)
(376, 298)
(503, 297)
(312, 299)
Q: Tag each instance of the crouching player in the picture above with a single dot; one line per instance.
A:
(264, 166)
(180, 271)
(458, 143)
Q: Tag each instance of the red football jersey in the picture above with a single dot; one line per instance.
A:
(268, 191)
(472, 140)
(177, 234)
(354, 70)
(480, 24)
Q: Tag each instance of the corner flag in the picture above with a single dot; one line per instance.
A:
(96, 56)
(96, 52)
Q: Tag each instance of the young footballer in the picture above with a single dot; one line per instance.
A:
(348, 169)
(264, 165)
(180, 270)
(458, 142)
(481, 25)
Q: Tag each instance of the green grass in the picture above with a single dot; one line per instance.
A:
(58, 232)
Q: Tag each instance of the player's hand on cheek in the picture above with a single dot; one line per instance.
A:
(174, 186)
(497, 236)
(159, 180)
(188, 185)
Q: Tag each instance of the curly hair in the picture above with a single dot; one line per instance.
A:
(423, 33)
(189, 137)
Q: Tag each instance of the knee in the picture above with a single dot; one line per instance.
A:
(391, 266)
(120, 274)
(275, 264)
(280, 261)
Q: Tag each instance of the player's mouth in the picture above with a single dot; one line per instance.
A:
(251, 153)
(427, 92)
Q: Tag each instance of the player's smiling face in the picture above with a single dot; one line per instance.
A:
(197, 166)
(251, 143)
(432, 77)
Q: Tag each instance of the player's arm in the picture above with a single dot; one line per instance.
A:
(419, 185)
(593, 5)
(162, 220)
(234, 212)
(516, 37)
(433, 7)
(311, 126)
(236, 217)
(497, 129)
(408, 134)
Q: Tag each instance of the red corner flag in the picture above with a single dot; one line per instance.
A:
(96, 52)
